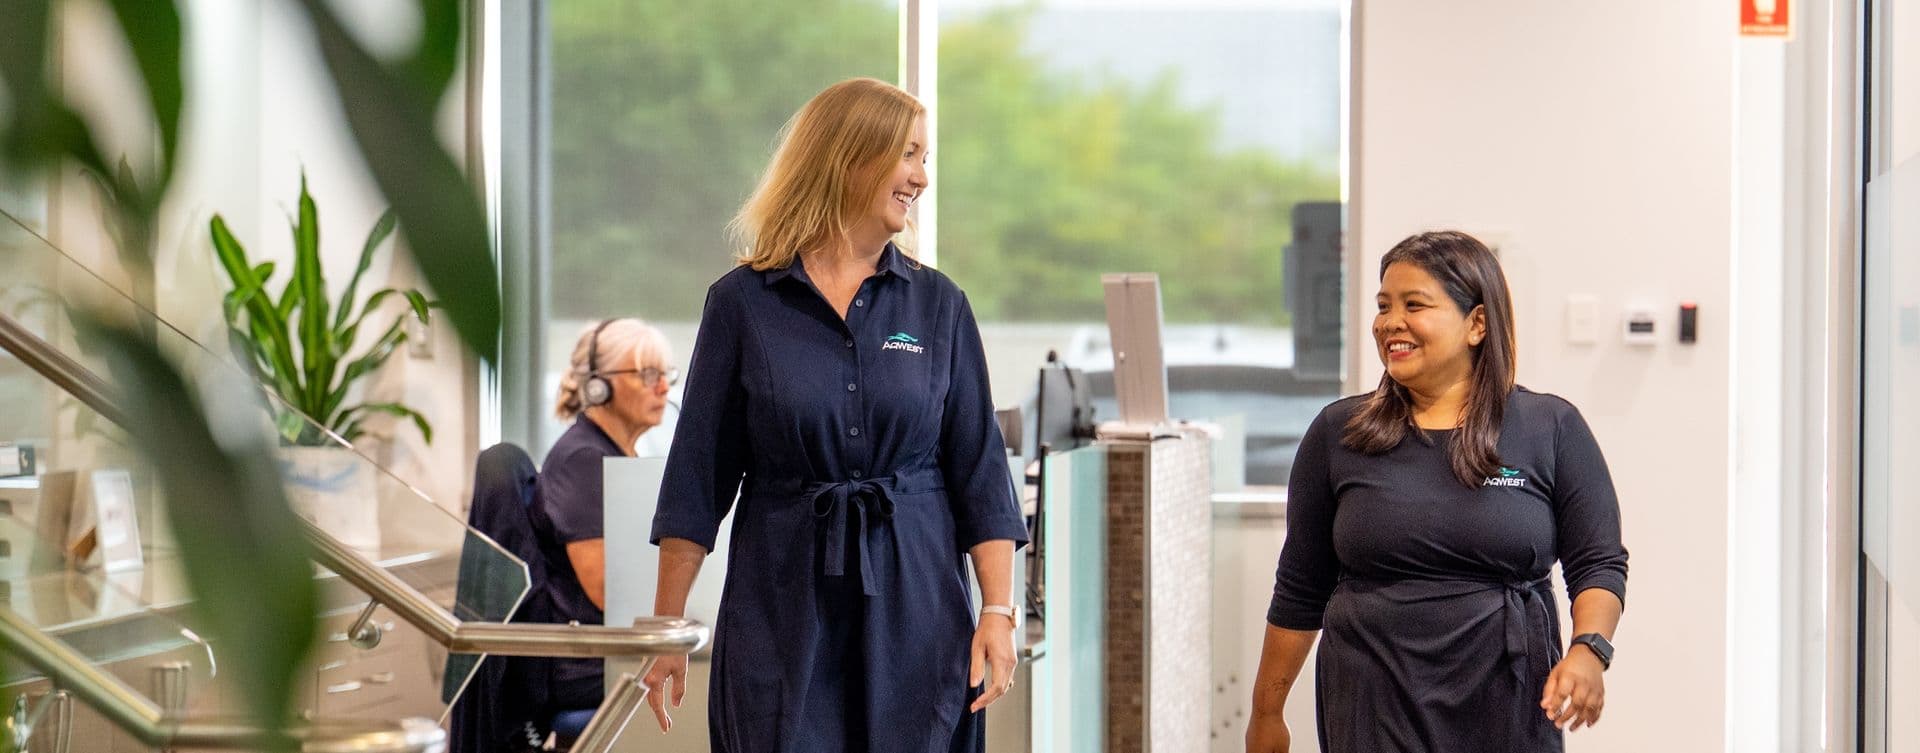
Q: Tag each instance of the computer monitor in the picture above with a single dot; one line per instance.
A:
(1139, 367)
(1063, 409)
(1313, 268)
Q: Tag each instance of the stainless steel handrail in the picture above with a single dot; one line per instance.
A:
(130, 711)
(15, 338)
(649, 636)
(615, 712)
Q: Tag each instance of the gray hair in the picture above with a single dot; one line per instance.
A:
(623, 344)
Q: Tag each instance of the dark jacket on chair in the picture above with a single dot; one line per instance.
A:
(506, 693)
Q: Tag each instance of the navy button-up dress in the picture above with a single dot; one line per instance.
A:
(866, 461)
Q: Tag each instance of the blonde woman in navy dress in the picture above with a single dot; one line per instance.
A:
(840, 387)
(1422, 521)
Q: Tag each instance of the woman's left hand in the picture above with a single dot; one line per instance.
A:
(1575, 691)
(992, 648)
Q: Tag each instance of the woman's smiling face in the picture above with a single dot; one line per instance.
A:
(1424, 339)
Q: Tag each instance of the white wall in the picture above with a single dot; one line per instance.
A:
(261, 108)
(1596, 143)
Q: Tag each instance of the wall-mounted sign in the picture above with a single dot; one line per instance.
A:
(1766, 18)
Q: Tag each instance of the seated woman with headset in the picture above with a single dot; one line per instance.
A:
(614, 390)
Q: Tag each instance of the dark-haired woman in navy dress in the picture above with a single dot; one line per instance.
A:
(1422, 522)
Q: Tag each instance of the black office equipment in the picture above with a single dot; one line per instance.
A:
(1063, 409)
(1312, 267)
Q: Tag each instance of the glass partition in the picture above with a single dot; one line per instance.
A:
(106, 616)
(336, 484)
(129, 622)
(1070, 680)
(1890, 416)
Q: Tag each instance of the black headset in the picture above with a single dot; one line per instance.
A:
(596, 391)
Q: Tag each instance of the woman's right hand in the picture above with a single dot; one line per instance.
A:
(667, 670)
(1268, 733)
(1281, 655)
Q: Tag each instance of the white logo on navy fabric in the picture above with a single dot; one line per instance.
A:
(1507, 477)
(903, 341)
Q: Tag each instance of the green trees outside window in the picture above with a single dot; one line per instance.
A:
(665, 111)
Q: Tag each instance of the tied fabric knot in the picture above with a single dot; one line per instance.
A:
(871, 501)
(1524, 606)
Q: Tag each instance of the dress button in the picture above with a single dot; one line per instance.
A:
(853, 432)
(849, 343)
(858, 302)
(856, 473)
(851, 387)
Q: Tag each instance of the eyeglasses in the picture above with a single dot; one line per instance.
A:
(649, 377)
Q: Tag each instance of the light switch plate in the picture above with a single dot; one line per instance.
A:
(1583, 320)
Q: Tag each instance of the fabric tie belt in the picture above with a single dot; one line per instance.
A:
(1527, 620)
(871, 503)
(1524, 603)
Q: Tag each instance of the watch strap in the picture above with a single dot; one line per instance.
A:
(1598, 644)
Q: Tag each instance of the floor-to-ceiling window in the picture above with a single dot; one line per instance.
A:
(1890, 526)
(1199, 139)
(663, 113)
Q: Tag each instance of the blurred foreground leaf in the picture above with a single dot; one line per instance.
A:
(248, 566)
(440, 216)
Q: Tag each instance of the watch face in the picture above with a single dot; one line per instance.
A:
(1600, 646)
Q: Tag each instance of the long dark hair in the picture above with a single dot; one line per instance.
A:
(1471, 276)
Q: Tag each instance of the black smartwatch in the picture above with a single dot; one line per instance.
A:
(1601, 648)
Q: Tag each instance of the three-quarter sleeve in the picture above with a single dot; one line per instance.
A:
(1309, 568)
(709, 451)
(1586, 511)
(973, 455)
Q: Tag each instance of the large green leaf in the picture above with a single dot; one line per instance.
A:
(23, 59)
(351, 333)
(440, 216)
(316, 352)
(41, 131)
(375, 356)
(432, 66)
(265, 325)
(248, 562)
(152, 28)
(381, 229)
(33, 127)
(348, 425)
(40, 128)
(421, 308)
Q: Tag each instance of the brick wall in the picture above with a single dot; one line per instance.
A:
(1159, 557)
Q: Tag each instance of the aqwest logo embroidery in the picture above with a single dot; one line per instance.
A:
(903, 341)
(1507, 477)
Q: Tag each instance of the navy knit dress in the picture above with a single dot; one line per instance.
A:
(1438, 624)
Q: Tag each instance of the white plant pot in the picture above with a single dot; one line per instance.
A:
(336, 490)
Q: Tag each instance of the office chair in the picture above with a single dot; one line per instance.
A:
(505, 706)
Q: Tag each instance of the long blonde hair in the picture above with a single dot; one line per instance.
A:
(832, 160)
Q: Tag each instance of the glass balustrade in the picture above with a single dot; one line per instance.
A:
(66, 469)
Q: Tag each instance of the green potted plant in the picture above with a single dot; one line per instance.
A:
(304, 346)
